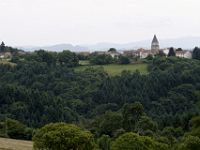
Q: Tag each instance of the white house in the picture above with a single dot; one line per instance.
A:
(166, 51)
(184, 54)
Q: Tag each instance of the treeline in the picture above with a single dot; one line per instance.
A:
(66, 58)
(43, 88)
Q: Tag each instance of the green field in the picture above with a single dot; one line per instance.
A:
(10, 144)
(116, 69)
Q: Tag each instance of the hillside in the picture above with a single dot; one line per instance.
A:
(91, 98)
(10, 144)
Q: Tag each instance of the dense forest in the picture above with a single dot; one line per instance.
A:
(161, 108)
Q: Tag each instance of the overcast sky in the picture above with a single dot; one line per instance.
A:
(46, 22)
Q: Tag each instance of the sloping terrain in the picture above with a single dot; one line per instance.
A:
(10, 144)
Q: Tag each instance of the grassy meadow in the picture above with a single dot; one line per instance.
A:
(114, 69)
(10, 144)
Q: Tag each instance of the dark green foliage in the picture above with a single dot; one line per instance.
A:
(196, 53)
(68, 58)
(146, 126)
(35, 93)
(48, 57)
(2, 47)
(112, 50)
(43, 87)
(101, 59)
(109, 123)
(179, 49)
(104, 142)
(171, 52)
(16, 130)
(149, 57)
(131, 115)
(124, 60)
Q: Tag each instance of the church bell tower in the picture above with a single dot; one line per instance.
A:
(155, 44)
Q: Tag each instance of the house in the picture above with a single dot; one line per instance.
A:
(113, 54)
(166, 51)
(99, 53)
(184, 54)
(142, 53)
(84, 53)
(5, 55)
(129, 53)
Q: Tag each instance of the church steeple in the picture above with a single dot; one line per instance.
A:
(155, 40)
(155, 44)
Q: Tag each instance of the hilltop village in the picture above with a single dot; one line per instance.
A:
(7, 52)
(144, 53)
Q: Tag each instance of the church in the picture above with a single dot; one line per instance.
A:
(155, 50)
(155, 47)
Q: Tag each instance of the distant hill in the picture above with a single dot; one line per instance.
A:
(185, 43)
(58, 47)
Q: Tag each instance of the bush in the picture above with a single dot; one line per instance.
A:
(132, 141)
(62, 136)
(16, 130)
(124, 60)
(190, 143)
(101, 59)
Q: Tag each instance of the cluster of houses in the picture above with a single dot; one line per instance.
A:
(143, 53)
(155, 50)
(8, 52)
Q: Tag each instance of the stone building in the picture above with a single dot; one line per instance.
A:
(155, 47)
(184, 54)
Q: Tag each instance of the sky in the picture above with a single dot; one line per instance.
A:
(48, 22)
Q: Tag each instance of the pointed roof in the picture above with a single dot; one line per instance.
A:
(155, 40)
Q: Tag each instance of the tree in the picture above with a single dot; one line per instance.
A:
(132, 141)
(112, 50)
(48, 57)
(196, 53)
(104, 142)
(149, 57)
(131, 115)
(171, 52)
(2, 47)
(110, 122)
(68, 58)
(62, 136)
(146, 126)
(101, 59)
(179, 49)
(17, 130)
(124, 60)
(189, 143)
(195, 126)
